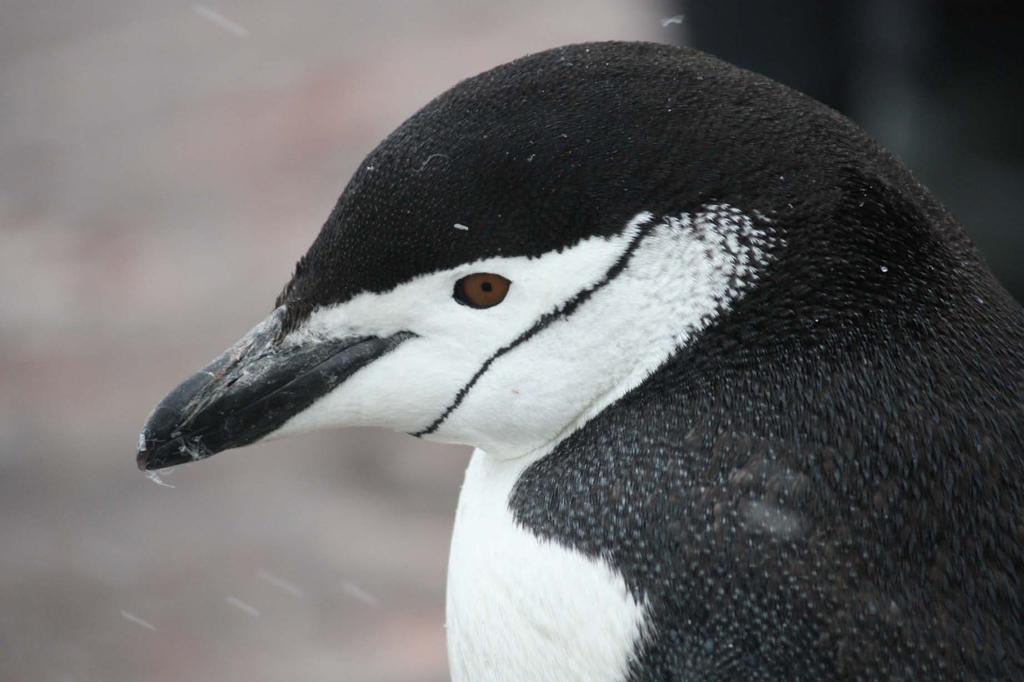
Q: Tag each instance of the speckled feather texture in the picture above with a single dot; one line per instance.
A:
(826, 481)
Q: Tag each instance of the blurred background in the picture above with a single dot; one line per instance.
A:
(163, 165)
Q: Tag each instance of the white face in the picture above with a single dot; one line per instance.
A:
(577, 330)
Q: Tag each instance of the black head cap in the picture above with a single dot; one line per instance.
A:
(541, 152)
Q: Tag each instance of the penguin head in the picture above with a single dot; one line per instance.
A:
(519, 254)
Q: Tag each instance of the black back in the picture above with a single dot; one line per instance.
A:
(825, 484)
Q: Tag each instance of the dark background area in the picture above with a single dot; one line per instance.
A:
(938, 82)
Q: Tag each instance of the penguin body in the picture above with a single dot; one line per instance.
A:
(747, 404)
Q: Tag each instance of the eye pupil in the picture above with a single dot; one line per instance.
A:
(481, 290)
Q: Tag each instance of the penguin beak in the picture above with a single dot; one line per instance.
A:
(250, 391)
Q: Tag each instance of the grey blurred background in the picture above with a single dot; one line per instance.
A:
(163, 165)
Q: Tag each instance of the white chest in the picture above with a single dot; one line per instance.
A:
(524, 609)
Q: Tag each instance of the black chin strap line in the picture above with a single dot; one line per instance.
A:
(562, 311)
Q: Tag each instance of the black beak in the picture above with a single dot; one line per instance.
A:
(251, 390)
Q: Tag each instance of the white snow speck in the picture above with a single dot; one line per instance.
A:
(677, 19)
(431, 158)
(131, 617)
(885, 268)
(155, 477)
(247, 609)
(142, 442)
(359, 594)
(460, 226)
(281, 584)
(215, 17)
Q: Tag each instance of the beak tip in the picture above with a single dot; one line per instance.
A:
(146, 461)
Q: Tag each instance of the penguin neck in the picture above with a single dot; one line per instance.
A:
(854, 399)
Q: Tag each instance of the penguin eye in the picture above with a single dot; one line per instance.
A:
(481, 290)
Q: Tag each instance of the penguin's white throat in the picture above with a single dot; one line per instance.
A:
(522, 608)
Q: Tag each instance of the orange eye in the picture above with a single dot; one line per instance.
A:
(481, 290)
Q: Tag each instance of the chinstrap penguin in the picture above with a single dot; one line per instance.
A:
(747, 404)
